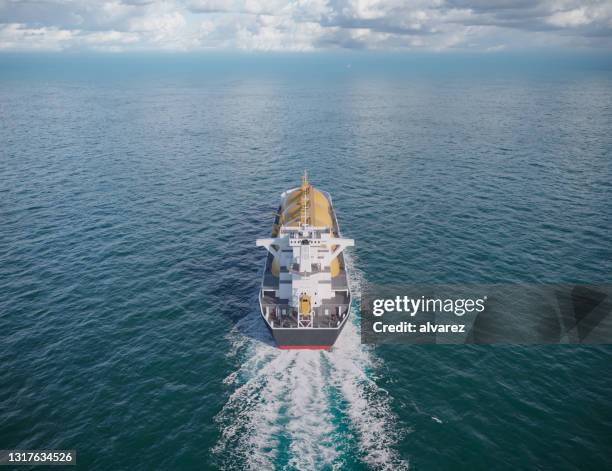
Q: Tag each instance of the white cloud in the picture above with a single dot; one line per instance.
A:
(110, 37)
(303, 25)
(164, 26)
(570, 18)
(18, 36)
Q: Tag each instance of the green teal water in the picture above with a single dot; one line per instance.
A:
(132, 189)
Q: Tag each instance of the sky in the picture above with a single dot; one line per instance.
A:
(304, 25)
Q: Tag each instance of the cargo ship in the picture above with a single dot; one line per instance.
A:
(305, 299)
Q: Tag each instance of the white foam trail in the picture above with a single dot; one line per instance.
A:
(368, 405)
(310, 421)
(282, 409)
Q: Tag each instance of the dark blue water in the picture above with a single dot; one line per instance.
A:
(132, 190)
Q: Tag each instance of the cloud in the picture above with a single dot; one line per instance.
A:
(571, 18)
(166, 27)
(304, 25)
(14, 35)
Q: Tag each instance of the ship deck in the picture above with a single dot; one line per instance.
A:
(271, 282)
(330, 314)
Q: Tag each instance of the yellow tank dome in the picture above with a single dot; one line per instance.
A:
(317, 213)
(275, 267)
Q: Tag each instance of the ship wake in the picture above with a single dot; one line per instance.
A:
(301, 409)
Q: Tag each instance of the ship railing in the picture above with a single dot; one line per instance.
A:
(328, 315)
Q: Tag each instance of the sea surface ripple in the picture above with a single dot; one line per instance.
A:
(130, 198)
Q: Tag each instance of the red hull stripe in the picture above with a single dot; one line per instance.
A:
(304, 347)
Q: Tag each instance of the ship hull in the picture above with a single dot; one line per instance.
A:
(329, 318)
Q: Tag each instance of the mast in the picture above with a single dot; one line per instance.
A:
(304, 219)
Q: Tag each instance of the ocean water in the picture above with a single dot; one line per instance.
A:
(132, 189)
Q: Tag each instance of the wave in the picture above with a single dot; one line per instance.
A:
(305, 409)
